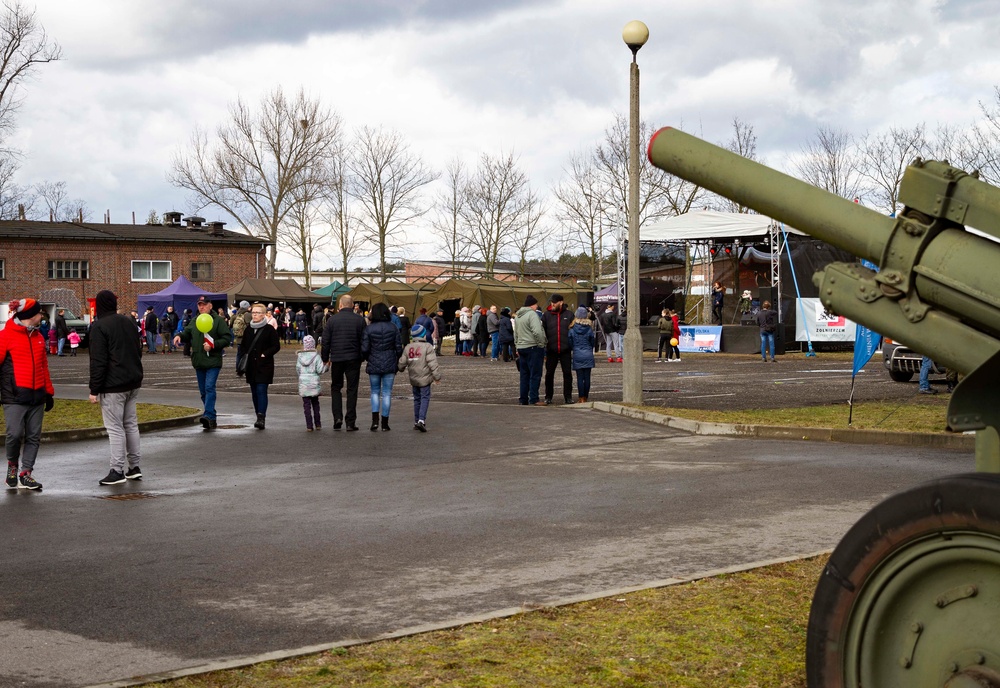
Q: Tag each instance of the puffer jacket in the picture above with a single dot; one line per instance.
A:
(420, 359)
(581, 339)
(342, 336)
(465, 331)
(309, 367)
(381, 346)
(506, 329)
(557, 324)
(24, 369)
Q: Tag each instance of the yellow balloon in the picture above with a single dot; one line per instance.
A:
(204, 322)
(673, 340)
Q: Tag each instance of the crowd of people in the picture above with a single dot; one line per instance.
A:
(384, 339)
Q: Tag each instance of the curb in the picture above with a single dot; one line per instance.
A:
(277, 655)
(778, 432)
(95, 433)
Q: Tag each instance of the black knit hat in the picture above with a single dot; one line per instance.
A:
(530, 300)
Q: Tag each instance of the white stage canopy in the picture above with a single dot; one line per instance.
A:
(701, 225)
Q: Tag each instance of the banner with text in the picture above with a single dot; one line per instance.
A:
(700, 338)
(823, 326)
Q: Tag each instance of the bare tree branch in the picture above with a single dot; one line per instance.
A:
(449, 205)
(496, 203)
(387, 178)
(831, 162)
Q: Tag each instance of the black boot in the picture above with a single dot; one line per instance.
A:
(260, 421)
(385, 424)
(374, 421)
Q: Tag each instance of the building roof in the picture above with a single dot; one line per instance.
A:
(98, 231)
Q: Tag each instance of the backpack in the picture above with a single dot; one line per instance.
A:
(464, 327)
(239, 325)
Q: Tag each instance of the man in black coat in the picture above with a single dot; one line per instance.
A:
(342, 350)
(556, 320)
(440, 329)
(115, 379)
(62, 330)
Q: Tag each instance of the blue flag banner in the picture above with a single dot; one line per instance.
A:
(866, 342)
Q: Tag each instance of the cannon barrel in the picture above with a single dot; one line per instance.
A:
(939, 287)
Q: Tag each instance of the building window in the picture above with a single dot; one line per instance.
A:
(201, 271)
(69, 269)
(3, 269)
(151, 271)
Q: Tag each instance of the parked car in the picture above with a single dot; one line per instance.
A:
(903, 362)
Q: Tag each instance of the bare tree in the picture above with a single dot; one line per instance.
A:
(528, 236)
(347, 240)
(449, 206)
(882, 159)
(260, 162)
(55, 205)
(831, 162)
(296, 233)
(24, 46)
(583, 210)
(961, 148)
(153, 218)
(743, 142)
(497, 200)
(386, 179)
(660, 194)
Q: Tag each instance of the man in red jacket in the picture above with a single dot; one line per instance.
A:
(26, 390)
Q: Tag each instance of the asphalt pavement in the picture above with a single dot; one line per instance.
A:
(241, 542)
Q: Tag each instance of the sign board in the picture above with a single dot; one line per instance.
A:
(822, 325)
(700, 338)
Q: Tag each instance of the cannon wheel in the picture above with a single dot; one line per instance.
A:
(911, 595)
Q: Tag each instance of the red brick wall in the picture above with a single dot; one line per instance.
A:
(26, 266)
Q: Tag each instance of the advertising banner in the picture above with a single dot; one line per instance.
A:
(700, 338)
(823, 326)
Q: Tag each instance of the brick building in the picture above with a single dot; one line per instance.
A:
(69, 262)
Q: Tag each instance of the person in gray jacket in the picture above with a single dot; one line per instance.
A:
(493, 330)
(419, 357)
(529, 339)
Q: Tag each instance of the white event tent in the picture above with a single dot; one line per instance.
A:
(702, 225)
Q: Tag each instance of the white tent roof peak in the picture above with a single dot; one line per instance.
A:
(701, 225)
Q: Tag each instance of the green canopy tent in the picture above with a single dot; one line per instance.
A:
(486, 291)
(333, 291)
(405, 294)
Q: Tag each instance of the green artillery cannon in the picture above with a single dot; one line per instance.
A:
(911, 595)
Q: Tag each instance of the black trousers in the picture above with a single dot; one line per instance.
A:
(565, 360)
(338, 371)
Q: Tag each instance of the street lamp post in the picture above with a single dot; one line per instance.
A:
(635, 34)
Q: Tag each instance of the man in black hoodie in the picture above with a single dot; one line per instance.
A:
(558, 352)
(115, 379)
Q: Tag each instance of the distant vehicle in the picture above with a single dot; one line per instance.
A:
(73, 321)
(903, 362)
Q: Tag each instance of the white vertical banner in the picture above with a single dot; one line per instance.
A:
(823, 326)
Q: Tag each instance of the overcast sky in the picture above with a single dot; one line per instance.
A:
(543, 78)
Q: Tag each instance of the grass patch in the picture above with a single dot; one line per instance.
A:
(737, 630)
(925, 414)
(77, 414)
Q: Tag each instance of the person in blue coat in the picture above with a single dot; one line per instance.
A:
(381, 346)
(581, 341)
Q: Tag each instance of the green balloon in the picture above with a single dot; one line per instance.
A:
(203, 322)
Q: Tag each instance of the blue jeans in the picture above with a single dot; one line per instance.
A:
(583, 381)
(495, 339)
(421, 402)
(532, 360)
(766, 340)
(925, 371)
(150, 343)
(206, 386)
(382, 392)
(258, 391)
(62, 343)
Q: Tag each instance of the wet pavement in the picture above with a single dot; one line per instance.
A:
(239, 542)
